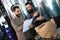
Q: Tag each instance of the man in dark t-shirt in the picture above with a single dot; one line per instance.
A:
(33, 13)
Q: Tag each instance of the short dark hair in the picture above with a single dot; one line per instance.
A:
(14, 7)
(27, 3)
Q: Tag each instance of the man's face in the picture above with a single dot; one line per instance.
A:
(17, 12)
(28, 7)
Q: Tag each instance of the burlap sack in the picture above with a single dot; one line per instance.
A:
(47, 29)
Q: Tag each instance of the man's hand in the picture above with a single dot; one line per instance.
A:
(40, 18)
(30, 26)
(35, 14)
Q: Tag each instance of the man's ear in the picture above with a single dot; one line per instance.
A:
(14, 11)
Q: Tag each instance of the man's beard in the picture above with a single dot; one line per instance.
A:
(18, 15)
(30, 11)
